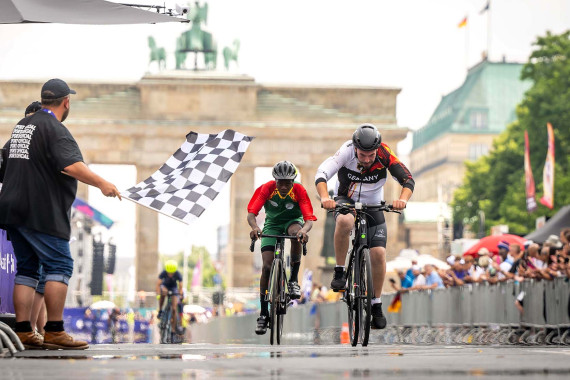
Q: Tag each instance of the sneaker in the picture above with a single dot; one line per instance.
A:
(378, 318)
(31, 340)
(294, 290)
(262, 323)
(339, 280)
(56, 340)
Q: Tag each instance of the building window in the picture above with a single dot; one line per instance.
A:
(477, 150)
(478, 120)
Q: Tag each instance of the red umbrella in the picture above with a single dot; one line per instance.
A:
(491, 242)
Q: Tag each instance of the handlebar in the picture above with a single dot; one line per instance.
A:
(252, 245)
(364, 207)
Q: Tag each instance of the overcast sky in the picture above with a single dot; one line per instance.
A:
(414, 45)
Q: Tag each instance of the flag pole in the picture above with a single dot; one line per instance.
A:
(467, 44)
(489, 31)
(185, 269)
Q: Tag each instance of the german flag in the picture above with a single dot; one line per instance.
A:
(396, 304)
(462, 23)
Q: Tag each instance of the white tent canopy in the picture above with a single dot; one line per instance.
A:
(405, 263)
(97, 12)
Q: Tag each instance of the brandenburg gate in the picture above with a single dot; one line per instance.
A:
(143, 123)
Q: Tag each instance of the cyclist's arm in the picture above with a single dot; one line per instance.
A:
(256, 202)
(158, 283)
(304, 202)
(400, 173)
(255, 230)
(328, 169)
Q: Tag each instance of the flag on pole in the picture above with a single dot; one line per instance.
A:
(193, 176)
(462, 23)
(197, 274)
(529, 179)
(486, 7)
(88, 210)
(396, 304)
(548, 173)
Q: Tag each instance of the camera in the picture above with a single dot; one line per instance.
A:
(182, 9)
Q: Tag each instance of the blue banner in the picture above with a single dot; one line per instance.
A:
(7, 274)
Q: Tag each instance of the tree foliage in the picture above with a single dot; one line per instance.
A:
(495, 183)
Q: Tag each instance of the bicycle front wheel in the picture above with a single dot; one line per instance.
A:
(274, 300)
(366, 295)
(166, 327)
(352, 305)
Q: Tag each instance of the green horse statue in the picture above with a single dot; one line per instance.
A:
(231, 54)
(197, 40)
(156, 54)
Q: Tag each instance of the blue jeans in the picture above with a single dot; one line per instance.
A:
(42, 284)
(33, 248)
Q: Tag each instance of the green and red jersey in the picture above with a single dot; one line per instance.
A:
(278, 209)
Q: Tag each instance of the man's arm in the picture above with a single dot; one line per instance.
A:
(82, 173)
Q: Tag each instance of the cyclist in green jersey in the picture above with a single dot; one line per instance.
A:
(288, 210)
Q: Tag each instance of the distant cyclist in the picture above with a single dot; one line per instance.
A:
(169, 279)
(362, 165)
(288, 210)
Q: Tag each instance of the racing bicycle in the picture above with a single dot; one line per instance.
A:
(360, 287)
(278, 292)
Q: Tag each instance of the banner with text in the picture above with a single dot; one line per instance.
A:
(529, 179)
(548, 173)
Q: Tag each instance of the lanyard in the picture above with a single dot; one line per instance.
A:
(49, 112)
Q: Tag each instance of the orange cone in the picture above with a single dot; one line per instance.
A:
(344, 337)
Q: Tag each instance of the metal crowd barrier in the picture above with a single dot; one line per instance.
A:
(470, 314)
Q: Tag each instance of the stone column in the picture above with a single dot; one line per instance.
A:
(146, 260)
(239, 263)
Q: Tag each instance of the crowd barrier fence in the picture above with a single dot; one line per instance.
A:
(470, 314)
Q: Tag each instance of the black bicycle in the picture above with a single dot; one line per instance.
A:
(167, 333)
(278, 292)
(360, 287)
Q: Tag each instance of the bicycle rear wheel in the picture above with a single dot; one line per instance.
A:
(366, 295)
(274, 301)
(352, 305)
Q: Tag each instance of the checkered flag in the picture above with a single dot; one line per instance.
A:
(193, 176)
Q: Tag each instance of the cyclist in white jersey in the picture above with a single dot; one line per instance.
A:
(362, 165)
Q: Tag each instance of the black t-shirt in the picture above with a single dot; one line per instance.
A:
(170, 282)
(35, 193)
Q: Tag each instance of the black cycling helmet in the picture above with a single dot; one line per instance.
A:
(284, 170)
(366, 137)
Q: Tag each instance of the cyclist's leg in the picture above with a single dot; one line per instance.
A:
(343, 227)
(378, 256)
(378, 263)
(174, 306)
(296, 249)
(267, 256)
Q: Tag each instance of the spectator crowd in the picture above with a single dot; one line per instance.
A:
(545, 261)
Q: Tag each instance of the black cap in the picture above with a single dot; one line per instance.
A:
(33, 107)
(55, 89)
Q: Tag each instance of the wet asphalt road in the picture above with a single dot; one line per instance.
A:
(207, 361)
